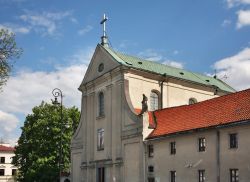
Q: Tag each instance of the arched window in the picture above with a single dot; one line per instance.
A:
(101, 103)
(154, 101)
(192, 101)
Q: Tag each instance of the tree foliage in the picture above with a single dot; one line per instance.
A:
(37, 152)
(8, 51)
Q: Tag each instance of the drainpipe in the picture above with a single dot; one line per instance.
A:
(218, 155)
(161, 84)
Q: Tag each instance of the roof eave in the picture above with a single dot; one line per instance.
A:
(220, 126)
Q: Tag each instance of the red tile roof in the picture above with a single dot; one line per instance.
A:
(6, 149)
(150, 117)
(218, 111)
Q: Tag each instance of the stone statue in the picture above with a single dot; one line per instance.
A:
(144, 104)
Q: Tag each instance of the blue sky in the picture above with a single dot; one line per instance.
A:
(58, 38)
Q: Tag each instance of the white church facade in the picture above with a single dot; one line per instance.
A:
(125, 135)
(144, 121)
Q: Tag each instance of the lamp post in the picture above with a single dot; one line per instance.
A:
(58, 93)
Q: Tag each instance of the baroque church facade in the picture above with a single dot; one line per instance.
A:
(144, 121)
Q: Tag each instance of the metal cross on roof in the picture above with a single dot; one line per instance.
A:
(104, 37)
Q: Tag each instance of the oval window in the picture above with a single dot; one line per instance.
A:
(101, 67)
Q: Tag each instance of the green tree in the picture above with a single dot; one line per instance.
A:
(8, 51)
(37, 152)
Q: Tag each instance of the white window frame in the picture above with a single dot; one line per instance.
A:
(100, 139)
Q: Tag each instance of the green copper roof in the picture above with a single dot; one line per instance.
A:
(163, 69)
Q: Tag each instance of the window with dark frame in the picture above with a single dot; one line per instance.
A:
(101, 104)
(1, 172)
(154, 101)
(201, 176)
(172, 176)
(192, 101)
(101, 174)
(151, 179)
(151, 169)
(172, 148)
(202, 144)
(2, 160)
(100, 139)
(150, 151)
(13, 172)
(233, 139)
(234, 175)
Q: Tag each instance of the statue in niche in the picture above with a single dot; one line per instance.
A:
(144, 104)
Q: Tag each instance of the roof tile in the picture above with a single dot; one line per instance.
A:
(162, 69)
(6, 149)
(218, 111)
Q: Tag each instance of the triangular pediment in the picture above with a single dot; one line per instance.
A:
(101, 63)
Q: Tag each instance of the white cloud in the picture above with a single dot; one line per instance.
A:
(45, 23)
(174, 64)
(243, 18)
(232, 3)
(8, 122)
(236, 68)
(226, 23)
(15, 28)
(127, 44)
(85, 30)
(176, 52)
(28, 88)
(150, 54)
(74, 20)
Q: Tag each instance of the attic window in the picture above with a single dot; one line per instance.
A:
(207, 81)
(128, 63)
(139, 62)
(101, 67)
(181, 73)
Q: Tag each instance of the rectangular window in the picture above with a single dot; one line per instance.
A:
(234, 175)
(202, 144)
(151, 179)
(2, 160)
(13, 172)
(1, 172)
(151, 169)
(100, 139)
(233, 140)
(101, 174)
(150, 151)
(172, 148)
(172, 176)
(101, 104)
(201, 174)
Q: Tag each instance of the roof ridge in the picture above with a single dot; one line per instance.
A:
(219, 111)
(204, 101)
(157, 67)
(157, 62)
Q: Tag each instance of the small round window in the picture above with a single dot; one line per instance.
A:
(101, 67)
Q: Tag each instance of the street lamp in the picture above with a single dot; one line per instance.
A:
(58, 93)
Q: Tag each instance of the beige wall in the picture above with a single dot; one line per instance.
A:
(7, 166)
(188, 160)
(175, 92)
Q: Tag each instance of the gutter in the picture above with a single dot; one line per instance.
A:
(220, 126)
(218, 154)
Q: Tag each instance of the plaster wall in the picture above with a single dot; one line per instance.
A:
(175, 92)
(188, 160)
(7, 166)
(238, 158)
